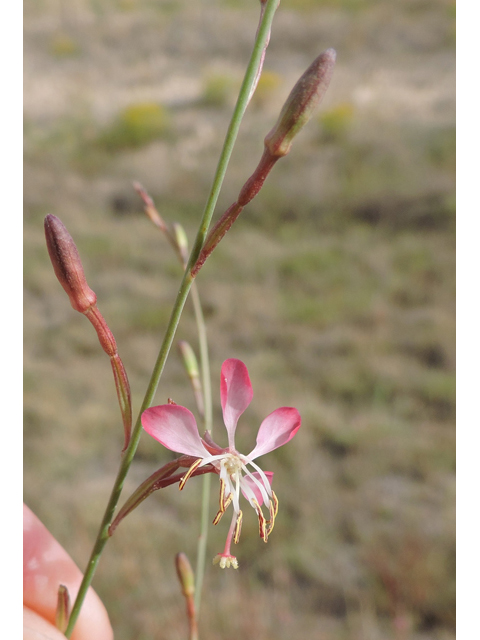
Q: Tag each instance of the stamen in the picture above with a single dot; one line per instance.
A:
(275, 504)
(238, 528)
(222, 495)
(273, 514)
(219, 515)
(189, 473)
(261, 522)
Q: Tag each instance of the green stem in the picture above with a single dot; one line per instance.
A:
(242, 102)
(127, 458)
(202, 540)
(206, 482)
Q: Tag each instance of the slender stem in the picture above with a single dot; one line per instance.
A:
(202, 541)
(261, 40)
(206, 482)
(127, 458)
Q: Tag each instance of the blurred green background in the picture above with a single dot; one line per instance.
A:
(335, 287)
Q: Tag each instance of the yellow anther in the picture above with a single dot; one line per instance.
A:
(262, 527)
(273, 513)
(224, 499)
(238, 528)
(227, 502)
(274, 500)
(222, 494)
(189, 473)
(261, 521)
(218, 517)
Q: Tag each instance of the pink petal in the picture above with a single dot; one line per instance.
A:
(175, 428)
(251, 485)
(277, 429)
(236, 394)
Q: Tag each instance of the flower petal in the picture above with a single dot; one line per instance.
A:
(253, 487)
(277, 429)
(236, 394)
(174, 427)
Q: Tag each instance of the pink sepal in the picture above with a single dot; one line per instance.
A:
(236, 394)
(277, 429)
(174, 427)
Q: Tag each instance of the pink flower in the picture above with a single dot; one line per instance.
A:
(175, 427)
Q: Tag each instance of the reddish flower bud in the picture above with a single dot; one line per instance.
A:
(69, 271)
(67, 264)
(301, 102)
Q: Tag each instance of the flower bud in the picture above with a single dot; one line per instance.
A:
(300, 104)
(67, 264)
(185, 574)
(62, 612)
(191, 366)
(149, 207)
(189, 359)
(181, 240)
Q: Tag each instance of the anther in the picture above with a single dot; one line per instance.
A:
(189, 473)
(238, 528)
(273, 513)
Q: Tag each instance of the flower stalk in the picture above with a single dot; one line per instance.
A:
(71, 275)
(187, 280)
(296, 112)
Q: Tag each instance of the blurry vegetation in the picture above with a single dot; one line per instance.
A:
(336, 287)
(63, 46)
(268, 83)
(135, 126)
(335, 122)
(219, 89)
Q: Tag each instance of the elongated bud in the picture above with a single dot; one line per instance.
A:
(295, 114)
(181, 241)
(149, 207)
(301, 102)
(187, 582)
(185, 574)
(69, 271)
(189, 359)
(191, 366)
(67, 264)
(63, 608)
